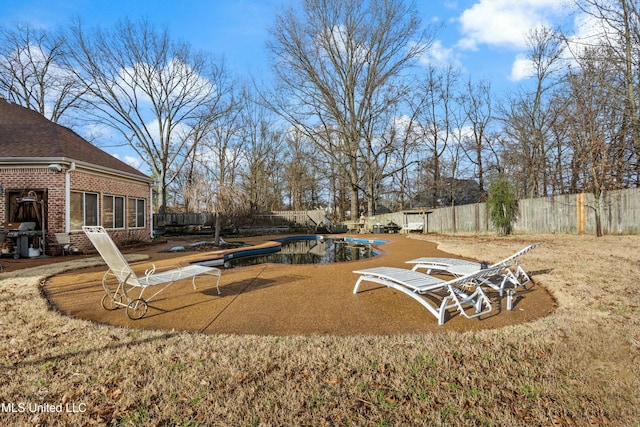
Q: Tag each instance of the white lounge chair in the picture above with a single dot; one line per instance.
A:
(126, 293)
(455, 293)
(460, 267)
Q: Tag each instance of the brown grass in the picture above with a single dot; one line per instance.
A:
(578, 366)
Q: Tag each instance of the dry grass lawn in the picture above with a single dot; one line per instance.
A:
(578, 366)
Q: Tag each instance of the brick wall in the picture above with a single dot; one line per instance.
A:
(52, 185)
(115, 186)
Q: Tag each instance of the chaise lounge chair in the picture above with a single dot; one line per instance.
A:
(460, 267)
(455, 293)
(126, 293)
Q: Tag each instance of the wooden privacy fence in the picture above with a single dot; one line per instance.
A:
(311, 218)
(567, 213)
(575, 213)
(183, 219)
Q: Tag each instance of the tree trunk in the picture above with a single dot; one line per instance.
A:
(162, 194)
(371, 199)
(218, 226)
(355, 203)
(598, 213)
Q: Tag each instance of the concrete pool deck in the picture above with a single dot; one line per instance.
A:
(276, 299)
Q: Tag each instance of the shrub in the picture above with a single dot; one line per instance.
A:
(502, 205)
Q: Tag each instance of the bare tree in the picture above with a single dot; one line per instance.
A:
(191, 190)
(384, 153)
(560, 156)
(300, 167)
(529, 116)
(596, 127)
(33, 73)
(263, 147)
(337, 66)
(619, 34)
(401, 134)
(477, 104)
(148, 88)
(437, 117)
(339, 187)
(222, 148)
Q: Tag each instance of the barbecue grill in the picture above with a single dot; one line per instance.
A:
(20, 233)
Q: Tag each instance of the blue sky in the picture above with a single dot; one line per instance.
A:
(486, 38)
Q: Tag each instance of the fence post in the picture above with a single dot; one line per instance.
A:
(581, 213)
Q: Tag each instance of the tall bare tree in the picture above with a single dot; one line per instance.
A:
(383, 153)
(401, 134)
(619, 35)
(437, 118)
(338, 65)
(33, 73)
(596, 127)
(222, 148)
(301, 171)
(147, 87)
(263, 146)
(530, 115)
(476, 101)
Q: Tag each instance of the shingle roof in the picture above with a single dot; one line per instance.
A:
(26, 133)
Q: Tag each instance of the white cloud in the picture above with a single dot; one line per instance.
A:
(521, 69)
(505, 23)
(94, 132)
(439, 56)
(135, 162)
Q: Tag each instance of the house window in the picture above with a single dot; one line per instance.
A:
(84, 209)
(136, 213)
(113, 211)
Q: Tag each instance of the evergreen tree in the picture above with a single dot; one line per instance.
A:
(502, 205)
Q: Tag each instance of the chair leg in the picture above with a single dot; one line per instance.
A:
(510, 293)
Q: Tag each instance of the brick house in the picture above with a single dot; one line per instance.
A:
(74, 183)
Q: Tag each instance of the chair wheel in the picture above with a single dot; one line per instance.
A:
(111, 302)
(137, 309)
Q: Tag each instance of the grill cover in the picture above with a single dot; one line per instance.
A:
(18, 226)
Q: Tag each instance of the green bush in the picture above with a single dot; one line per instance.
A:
(502, 205)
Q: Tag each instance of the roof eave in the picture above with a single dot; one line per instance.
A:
(66, 162)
